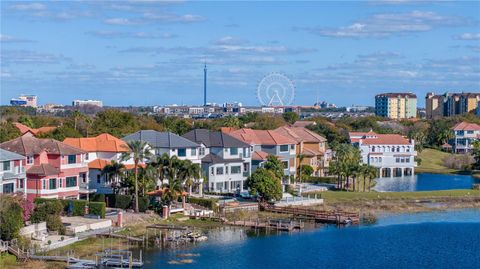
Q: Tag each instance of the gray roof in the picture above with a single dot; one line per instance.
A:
(6, 155)
(214, 159)
(161, 139)
(215, 139)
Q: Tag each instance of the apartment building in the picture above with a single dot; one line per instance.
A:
(12, 172)
(393, 154)
(465, 135)
(226, 160)
(450, 104)
(396, 105)
(53, 169)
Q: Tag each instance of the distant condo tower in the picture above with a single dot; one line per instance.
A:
(205, 85)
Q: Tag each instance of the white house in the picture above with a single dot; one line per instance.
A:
(465, 134)
(393, 154)
(226, 161)
(12, 172)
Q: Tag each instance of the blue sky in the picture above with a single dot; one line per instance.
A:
(152, 53)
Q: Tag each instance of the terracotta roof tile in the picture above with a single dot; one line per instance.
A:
(101, 143)
(43, 170)
(300, 134)
(262, 137)
(29, 146)
(25, 129)
(386, 139)
(259, 156)
(466, 126)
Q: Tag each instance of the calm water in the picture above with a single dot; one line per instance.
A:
(423, 240)
(426, 182)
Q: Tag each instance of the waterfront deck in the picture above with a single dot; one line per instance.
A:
(276, 224)
(322, 216)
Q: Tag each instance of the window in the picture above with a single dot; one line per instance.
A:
(193, 151)
(407, 160)
(83, 176)
(8, 188)
(233, 151)
(397, 160)
(235, 169)
(20, 183)
(285, 164)
(52, 184)
(202, 151)
(226, 170)
(86, 157)
(72, 159)
(98, 179)
(284, 148)
(469, 132)
(219, 170)
(44, 184)
(292, 147)
(212, 171)
(71, 181)
(182, 152)
(29, 159)
(6, 166)
(60, 183)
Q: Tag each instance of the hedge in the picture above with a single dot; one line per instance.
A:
(123, 201)
(330, 180)
(78, 207)
(98, 197)
(205, 202)
(143, 203)
(97, 208)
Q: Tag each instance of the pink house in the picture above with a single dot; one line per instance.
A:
(53, 169)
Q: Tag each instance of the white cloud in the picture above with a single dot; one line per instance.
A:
(11, 39)
(141, 35)
(468, 36)
(170, 17)
(119, 21)
(387, 24)
(28, 6)
(230, 40)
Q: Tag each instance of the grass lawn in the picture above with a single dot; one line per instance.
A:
(432, 162)
(341, 196)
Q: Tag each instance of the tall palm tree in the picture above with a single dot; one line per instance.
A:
(116, 171)
(372, 172)
(139, 152)
(301, 157)
(190, 173)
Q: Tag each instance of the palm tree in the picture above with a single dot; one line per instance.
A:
(300, 160)
(116, 171)
(372, 172)
(139, 152)
(190, 173)
(76, 115)
(363, 172)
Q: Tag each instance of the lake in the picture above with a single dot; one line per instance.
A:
(422, 240)
(426, 182)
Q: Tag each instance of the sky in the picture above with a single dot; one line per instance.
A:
(144, 53)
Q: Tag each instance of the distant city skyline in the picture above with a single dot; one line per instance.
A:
(145, 53)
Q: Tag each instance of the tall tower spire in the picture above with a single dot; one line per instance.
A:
(205, 84)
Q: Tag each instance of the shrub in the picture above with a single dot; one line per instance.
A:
(459, 162)
(123, 201)
(97, 208)
(54, 223)
(110, 200)
(143, 203)
(11, 218)
(98, 197)
(78, 207)
(205, 202)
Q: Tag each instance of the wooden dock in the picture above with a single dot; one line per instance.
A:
(322, 216)
(113, 235)
(275, 224)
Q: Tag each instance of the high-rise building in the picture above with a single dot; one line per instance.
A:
(396, 105)
(24, 100)
(450, 104)
(87, 102)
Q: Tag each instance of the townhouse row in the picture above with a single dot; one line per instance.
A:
(73, 168)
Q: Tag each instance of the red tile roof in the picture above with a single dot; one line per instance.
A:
(300, 134)
(101, 143)
(386, 139)
(466, 126)
(25, 129)
(259, 156)
(262, 137)
(44, 169)
(29, 146)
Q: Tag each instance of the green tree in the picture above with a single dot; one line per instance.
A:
(11, 217)
(26, 120)
(231, 121)
(8, 132)
(265, 184)
(115, 172)
(290, 117)
(275, 165)
(115, 122)
(139, 151)
(476, 153)
(305, 171)
(61, 133)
